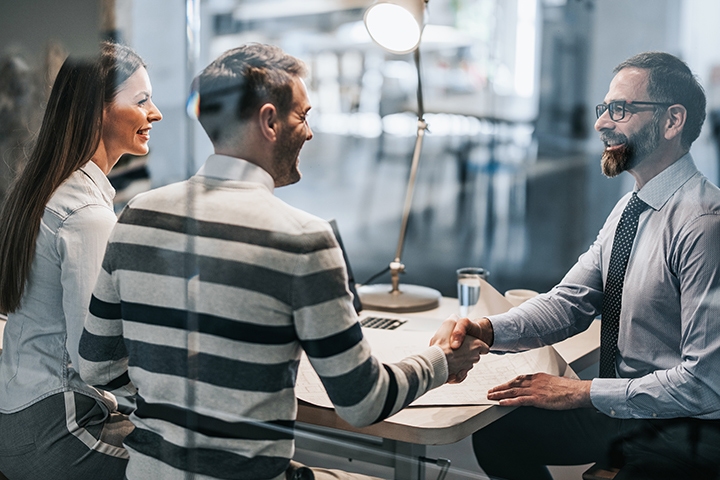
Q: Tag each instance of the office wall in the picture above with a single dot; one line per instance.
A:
(29, 24)
(699, 38)
(157, 30)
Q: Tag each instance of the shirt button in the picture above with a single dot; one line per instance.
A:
(654, 415)
(612, 412)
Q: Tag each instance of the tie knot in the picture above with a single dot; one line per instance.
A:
(635, 205)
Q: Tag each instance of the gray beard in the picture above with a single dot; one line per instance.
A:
(633, 151)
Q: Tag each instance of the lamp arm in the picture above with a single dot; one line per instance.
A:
(421, 105)
(396, 266)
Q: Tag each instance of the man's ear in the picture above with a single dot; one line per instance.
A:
(675, 121)
(268, 119)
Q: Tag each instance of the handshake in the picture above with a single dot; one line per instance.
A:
(463, 342)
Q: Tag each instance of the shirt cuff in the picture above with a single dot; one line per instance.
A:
(609, 395)
(438, 360)
(505, 333)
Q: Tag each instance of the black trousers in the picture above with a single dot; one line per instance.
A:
(64, 436)
(522, 443)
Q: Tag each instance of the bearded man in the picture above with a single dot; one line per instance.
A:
(653, 273)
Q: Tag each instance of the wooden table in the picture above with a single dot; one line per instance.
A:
(399, 441)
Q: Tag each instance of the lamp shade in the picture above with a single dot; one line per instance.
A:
(396, 25)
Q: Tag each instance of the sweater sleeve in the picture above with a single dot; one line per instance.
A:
(363, 389)
(103, 356)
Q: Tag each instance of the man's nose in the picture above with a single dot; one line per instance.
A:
(604, 122)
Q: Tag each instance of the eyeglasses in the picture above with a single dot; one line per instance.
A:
(618, 108)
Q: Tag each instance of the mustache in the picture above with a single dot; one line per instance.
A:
(613, 137)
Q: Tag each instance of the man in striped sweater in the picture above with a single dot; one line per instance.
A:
(211, 289)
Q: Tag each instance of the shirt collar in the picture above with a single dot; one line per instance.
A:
(659, 189)
(231, 168)
(100, 179)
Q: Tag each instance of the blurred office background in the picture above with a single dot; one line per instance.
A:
(509, 176)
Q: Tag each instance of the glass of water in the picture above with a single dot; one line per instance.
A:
(468, 285)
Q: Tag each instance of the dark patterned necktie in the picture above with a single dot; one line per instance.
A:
(612, 299)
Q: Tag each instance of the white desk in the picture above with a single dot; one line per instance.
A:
(400, 441)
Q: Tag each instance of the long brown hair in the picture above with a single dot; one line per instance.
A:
(69, 136)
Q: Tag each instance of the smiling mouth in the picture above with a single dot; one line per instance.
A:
(612, 147)
(145, 132)
(613, 143)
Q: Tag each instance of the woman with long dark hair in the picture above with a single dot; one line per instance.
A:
(54, 226)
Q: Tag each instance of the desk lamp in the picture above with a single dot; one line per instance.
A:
(397, 25)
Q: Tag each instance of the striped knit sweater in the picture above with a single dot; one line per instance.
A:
(209, 291)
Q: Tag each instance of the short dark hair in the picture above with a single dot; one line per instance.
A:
(234, 86)
(671, 81)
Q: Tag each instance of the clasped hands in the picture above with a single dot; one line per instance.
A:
(461, 353)
(539, 389)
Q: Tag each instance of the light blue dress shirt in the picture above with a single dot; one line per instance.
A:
(668, 358)
(41, 338)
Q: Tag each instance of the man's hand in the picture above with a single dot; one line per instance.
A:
(543, 391)
(481, 328)
(460, 360)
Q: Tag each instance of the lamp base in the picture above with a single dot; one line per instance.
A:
(409, 298)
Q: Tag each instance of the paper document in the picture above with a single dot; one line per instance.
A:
(390, 346)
